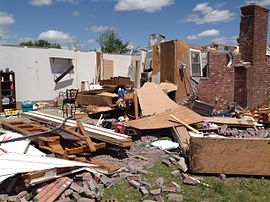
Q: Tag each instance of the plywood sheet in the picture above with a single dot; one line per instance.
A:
(163, 120)
(153, 100)
(107, 69)
(167, 87)
(230, 156)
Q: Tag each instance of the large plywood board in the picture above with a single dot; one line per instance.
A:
(163, 120)
(107, 69)
(153, 100)
(230, 156)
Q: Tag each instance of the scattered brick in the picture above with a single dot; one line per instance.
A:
(106, 181)
(176, 157)
(222, 176)
(22, 194)
(134, 184)
(177, 186)
(74, 186)
(146, 184)
(173, 160)
(160, 181)
(171, 189)
(175, 173)
(144, 172)
(166, 162)
(144, 191)
(182, 164)
(76, 196)
(158, 198)
(97, 177)
(175, 197)
(189, 181)
(86, 200)
(134, 177)
(155, 191)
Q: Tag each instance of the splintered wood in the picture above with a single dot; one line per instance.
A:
(230, 156)
(101, 134)
(163, 120)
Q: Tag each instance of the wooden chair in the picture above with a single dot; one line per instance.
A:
(69, 102)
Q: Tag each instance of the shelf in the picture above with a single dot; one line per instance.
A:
(7, 86)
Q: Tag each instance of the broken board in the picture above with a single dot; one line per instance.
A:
(163, 120)
(230, 156)
(229, 121)
(153, 100)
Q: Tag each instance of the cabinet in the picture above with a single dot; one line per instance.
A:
(7, 93)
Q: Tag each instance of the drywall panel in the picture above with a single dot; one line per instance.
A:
(121, 63)
(34, 75)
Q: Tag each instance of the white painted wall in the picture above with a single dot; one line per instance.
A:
(121, 64)
(33, 70)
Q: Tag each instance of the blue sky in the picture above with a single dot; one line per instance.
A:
(79, 22)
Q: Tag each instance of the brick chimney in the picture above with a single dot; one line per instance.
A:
(253, 42)
(253, 33)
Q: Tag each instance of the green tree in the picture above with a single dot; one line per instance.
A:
(111, 43)
(40, 43)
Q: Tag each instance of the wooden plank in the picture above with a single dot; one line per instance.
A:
(136, 105)
(153, 100)
(230, 155)
(86, 137)
(102, 134)
(230, 121)
(94, 100)
(185, 124)
(64, 74)
(163, 120)
(183, 135)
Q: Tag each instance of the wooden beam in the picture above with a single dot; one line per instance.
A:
(102, 134)
(237, 156)
(136, 105)
(64, 74)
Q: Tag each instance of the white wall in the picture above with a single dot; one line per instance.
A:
(121, 64)
(33, 70)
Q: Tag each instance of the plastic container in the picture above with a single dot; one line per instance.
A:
(27, 106)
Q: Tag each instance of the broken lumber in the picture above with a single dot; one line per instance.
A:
(240, 156)
(229, 121)
(163, 120)
(102, 134)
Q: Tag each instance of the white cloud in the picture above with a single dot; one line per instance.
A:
(6, 18)
(260, 2)
(92, 41)
(76, 13)
(101, 28)
(221, 40)
(69, 1)
(54, 35)
(208, 14)
(209, 32)
(145, 5)
(41, 2)
(205, 33)
(192, 37)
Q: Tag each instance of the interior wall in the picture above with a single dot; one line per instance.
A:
(34, 76)
(121, 64)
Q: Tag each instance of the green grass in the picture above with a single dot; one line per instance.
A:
(235, 189)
